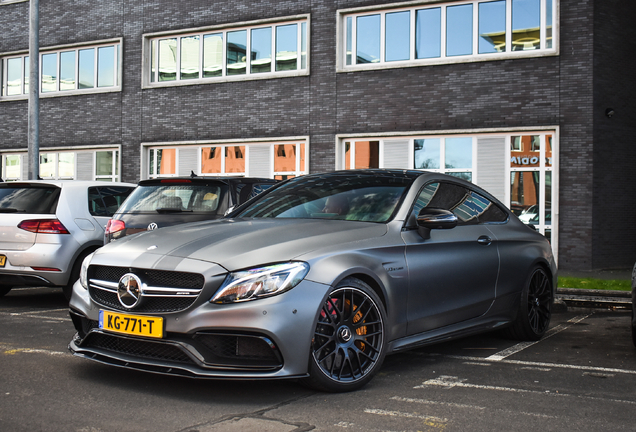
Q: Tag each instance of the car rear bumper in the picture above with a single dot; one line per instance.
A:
(25, 268)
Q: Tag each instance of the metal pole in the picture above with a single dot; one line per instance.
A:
(34, 90)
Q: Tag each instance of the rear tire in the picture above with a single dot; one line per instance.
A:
(348, 345)
(4, 291)
(67, 290)
(535, 308)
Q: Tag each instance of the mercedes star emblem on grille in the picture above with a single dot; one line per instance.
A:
(129, 290)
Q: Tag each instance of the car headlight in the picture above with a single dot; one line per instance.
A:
(260, 282)
(83, 278)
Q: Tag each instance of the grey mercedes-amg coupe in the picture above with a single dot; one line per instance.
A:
(318, 279)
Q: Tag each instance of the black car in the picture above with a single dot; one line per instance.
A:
(634, 305)
(164, 202)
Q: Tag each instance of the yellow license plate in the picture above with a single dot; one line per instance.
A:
(3, 260)
(135, 325)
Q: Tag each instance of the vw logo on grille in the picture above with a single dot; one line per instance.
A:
(152, 226)
(129, 290)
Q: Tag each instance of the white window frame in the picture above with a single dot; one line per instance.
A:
(248, 144)
(115, 168)
(506, 135)
(23, 154)
(117, 72)
(413, 6)
(151, 39)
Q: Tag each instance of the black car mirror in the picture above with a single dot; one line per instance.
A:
(434, 218)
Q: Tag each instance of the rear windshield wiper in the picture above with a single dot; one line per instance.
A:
(171, 210)
(10, 210)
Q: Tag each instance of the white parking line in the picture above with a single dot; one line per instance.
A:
(523, 345)
(9, 350)
(450, 382)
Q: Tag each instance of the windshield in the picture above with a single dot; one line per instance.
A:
(208, 199)
(344, 197)
(29, 199)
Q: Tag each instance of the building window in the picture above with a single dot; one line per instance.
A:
(517, 168)
(445, 33)
(57, 166)
(280, 160)
(107, 165)
(72, 70)
(239, 52)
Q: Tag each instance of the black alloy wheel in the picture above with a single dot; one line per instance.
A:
(348, 346)
(535, 308)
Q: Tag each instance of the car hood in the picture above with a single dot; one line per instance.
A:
(241, 243)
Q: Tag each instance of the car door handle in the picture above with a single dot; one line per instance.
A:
(484, 240)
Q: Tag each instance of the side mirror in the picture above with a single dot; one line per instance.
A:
(434, 218)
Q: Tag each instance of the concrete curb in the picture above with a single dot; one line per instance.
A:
(573, 297)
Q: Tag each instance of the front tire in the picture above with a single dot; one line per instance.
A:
(535, 308)
(349, 345)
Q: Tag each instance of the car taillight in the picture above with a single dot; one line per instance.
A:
(114, 226)
(43, 226)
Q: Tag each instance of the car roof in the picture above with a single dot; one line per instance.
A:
(64, 183)
(205, 180)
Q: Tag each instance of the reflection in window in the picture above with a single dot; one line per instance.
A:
(548, 24)
(470, 29)
(236, 52)
(11, 168)
(526, 22)
(397, 44)
(104, 164)
(459, 30)
(524, 195)
(27, 66)
(87, 68)
(212, 55)
(49, 73)
(427, 153)
(167, 59)
(524, 151)
(362, 155)
(162, 161)
(261, 47)
(303, 45)
(211, 160)
(67, 70)
(235, 159)
(286, 47)
(428, 33)
(349, 47)
(459, 153)
(492, 27)
(190, 57)
(106, 66)
(14, 76)
(66, 165)
(368, 39)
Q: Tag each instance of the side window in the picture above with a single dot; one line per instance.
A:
(469, 207)
(104, 201)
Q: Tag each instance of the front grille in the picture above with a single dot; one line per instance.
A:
(162, 278)
(149, 304)
(136, 347)
(173, 291)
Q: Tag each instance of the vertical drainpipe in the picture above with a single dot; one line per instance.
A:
(34, 89)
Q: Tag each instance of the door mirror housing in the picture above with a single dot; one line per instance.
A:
(434, 218)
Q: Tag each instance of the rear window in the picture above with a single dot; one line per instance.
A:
(209, 199)
(29, 199)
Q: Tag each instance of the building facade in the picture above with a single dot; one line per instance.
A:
(531, 99)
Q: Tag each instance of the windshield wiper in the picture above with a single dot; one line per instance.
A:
(171, 210)
(10, 210)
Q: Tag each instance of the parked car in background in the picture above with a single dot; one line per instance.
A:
(317, 278)
(159, 203)
(634, 305)
(48, 227)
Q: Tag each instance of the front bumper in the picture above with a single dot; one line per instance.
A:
(261, 339)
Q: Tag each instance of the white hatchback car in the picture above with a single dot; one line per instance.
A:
(48, 227)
